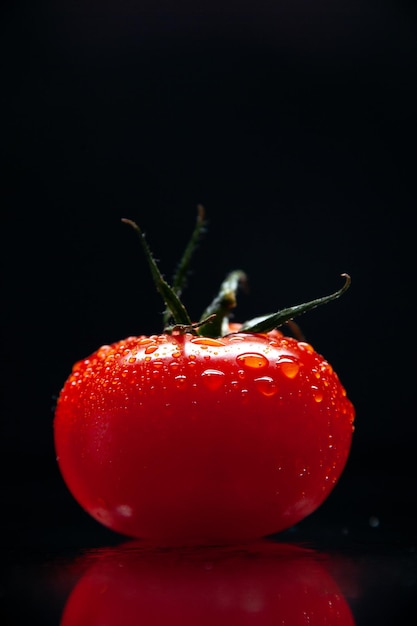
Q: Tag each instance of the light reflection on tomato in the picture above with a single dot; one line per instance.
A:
(264, 583)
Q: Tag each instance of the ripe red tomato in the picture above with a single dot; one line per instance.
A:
(184, 438)
(181, 438)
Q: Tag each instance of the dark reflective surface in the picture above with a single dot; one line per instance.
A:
(265, 583)
(311, 575)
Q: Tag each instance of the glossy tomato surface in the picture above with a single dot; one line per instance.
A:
(183, 439)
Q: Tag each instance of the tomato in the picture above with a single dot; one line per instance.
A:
(266, 584)
(186, 438)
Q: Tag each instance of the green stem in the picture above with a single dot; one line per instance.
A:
(221, 306)
(266, 323)
(170, 298)
(180, 275)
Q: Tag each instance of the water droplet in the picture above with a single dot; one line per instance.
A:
(241, 373)
(180, 381)
(174, 365)
(103, 351)
(244, 394)
(252, 360)
(213, 379)
(289, 366)
(326, 367)
(317, 394)
(207, 341)
(306, 346)
(151, 348)
(266, 385)
(236, 338)
(145, 341)
(131, 359)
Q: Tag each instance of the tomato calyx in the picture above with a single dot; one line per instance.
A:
(266, 323)
(168, 294)
(214, 321)
(181, 329)
(223, 304)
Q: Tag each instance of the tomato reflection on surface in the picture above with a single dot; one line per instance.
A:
(264, 583)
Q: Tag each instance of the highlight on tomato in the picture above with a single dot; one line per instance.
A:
(207, 432)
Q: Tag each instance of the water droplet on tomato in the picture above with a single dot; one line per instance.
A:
(213, 379)
(236, 337)
(306, 346)
(151, 348)
(180, 381)
(207, 341)
(326, 367)
(145, 341)
(317, 394)
(289, 366)
(266, 385)
(252, 360)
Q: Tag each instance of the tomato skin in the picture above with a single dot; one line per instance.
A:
(180, 439)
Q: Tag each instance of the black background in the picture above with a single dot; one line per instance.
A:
(293, 123)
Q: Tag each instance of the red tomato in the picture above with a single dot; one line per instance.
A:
(186, 439)
(262, 584)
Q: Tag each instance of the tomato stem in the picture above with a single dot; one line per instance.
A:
(221, 306)
(180, 276)
(169, 296)
(266, 323)
(215, 320)
(181, 329)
